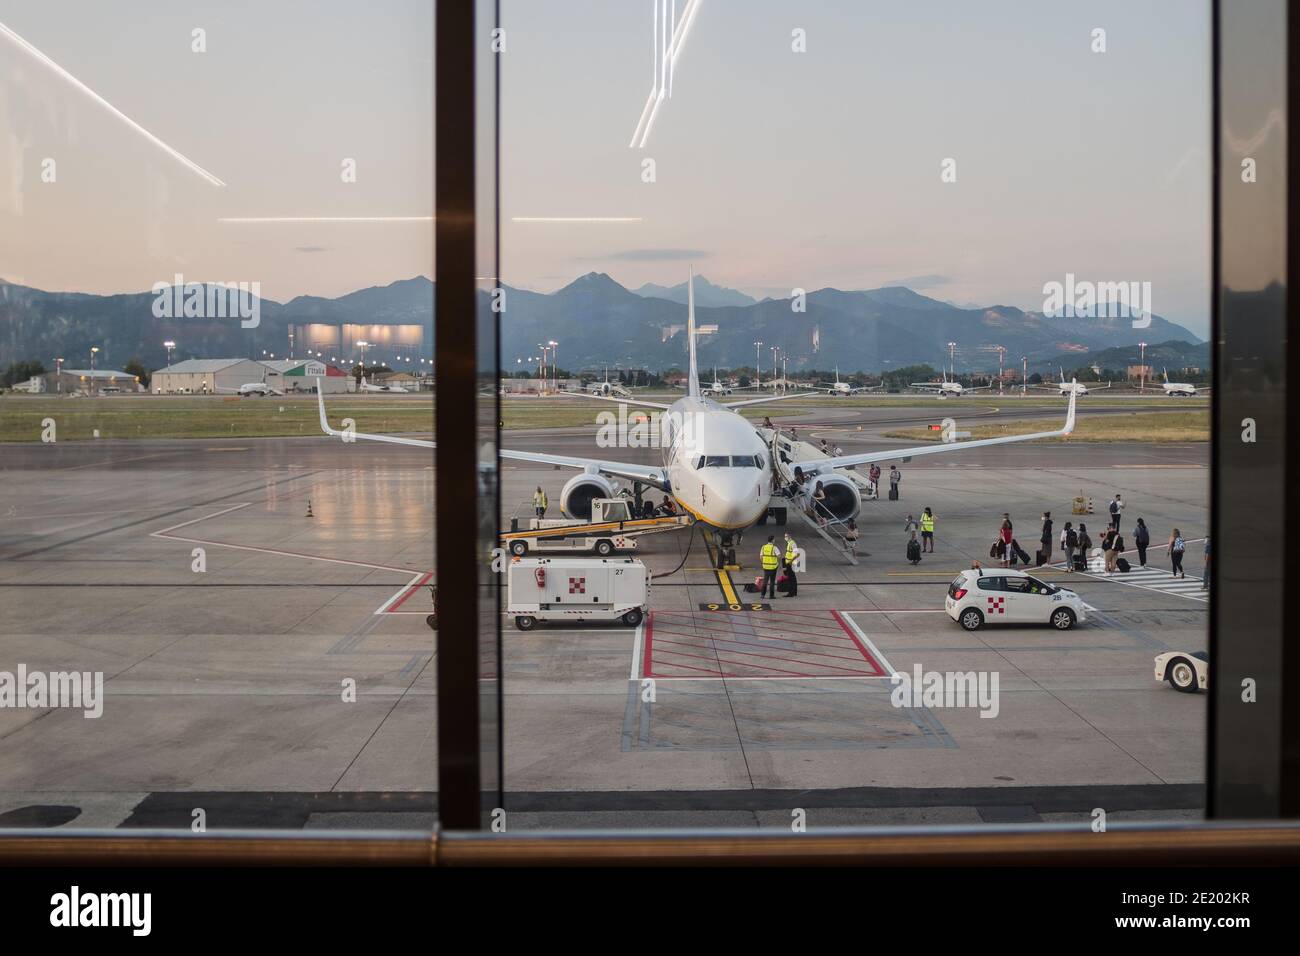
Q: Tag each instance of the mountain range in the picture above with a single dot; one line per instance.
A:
(597, 322)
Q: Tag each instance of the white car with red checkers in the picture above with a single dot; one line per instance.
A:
(1003, 596)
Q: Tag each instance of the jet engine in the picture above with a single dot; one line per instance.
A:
(842, 501)
(578, 492)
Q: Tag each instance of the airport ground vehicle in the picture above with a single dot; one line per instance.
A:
(576, 589)
(612, 528)
(1004, 596)
(1187, 672)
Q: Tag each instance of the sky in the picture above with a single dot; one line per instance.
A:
(774, 169)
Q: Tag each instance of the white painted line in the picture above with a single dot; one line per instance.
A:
(403, 590)
(884, 661)
(636, 651)
(164, 534)
(185, 524)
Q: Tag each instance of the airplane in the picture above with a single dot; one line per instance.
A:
(842, 388)
(605, 388)
(1072, 387)
(946, 388)
(717, 388)
(368, 387)
(252, 388)
(716, 464)
(1184, 389)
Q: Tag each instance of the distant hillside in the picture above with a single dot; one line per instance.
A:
(706, 293)
(1171, 354)
(597, 322)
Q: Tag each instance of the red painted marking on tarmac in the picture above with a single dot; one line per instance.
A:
(880, 671)
(724, 644)
(649, 644)
(767, 657)
(409, 591)
(782, 637)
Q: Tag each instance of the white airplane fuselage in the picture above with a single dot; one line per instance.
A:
(727, 496)
(1179, 388)
(255, 388)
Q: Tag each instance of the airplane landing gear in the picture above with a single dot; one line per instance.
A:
(726, 542)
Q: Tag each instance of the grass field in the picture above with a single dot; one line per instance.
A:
(1188, 426)
(146, 416)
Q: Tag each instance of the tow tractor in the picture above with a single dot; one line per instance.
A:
(611, 528)
(577, 589)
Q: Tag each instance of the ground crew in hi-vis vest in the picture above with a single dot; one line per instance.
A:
(791, 552)
(771, 558)
(539, 502)
(927, 530)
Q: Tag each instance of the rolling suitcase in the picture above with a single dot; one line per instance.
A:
(914, 551)
(893, 494)
(1080, 563)
(1122, 564)
(1039, 560)
(1024, 555)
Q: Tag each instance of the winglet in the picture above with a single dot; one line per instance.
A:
(1069, 416)
(324, 422)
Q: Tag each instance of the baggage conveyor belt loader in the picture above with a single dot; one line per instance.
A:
(611, 528)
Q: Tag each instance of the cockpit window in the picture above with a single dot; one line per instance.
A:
(730, 461)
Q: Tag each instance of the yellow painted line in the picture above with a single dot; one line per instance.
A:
(907, 573)
(724, 579)
(728, 590)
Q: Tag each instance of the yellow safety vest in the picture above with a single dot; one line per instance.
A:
(790, 550)
(771, 557)
(927, 522)
(539, 499)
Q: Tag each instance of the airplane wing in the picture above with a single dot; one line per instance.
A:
(846, 461)
(650, 474)
(769, 398)
(615, 398)
(931, 386)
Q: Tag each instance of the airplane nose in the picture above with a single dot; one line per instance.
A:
(738, 499)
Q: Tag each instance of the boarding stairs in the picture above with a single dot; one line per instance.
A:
(785, 454)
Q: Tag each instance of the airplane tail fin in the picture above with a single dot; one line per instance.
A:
(693, 374)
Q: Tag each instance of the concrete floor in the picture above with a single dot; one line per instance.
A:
(225, 689)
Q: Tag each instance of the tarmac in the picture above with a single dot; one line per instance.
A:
(230, 689)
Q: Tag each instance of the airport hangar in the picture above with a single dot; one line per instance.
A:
(71, 381)
(212, 376)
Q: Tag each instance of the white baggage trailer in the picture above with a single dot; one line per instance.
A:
(576, 589)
